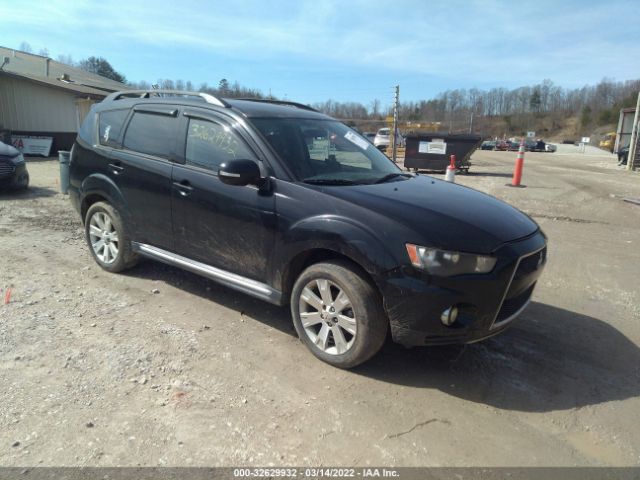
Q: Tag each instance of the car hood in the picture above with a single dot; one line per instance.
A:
(8, 150)
(442, 214)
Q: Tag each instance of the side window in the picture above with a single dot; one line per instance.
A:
(209, 144)
(150, 133)
(110, 126)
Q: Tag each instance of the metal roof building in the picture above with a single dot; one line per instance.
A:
(42, 97)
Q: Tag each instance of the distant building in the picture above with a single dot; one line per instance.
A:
(627, 123)
(42, 97)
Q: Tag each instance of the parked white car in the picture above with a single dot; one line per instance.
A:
(550, 147)
(383, 138)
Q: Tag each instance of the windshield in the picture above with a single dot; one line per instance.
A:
(326, 151)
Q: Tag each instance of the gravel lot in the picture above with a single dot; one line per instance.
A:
(97, 369)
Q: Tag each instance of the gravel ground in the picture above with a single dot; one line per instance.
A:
(161, 367)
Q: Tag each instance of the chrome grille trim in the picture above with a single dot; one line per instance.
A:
(501, 323)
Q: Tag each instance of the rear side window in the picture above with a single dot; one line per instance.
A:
(151, 133)
(110, 126)
(209, 144)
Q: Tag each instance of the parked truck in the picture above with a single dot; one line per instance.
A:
(608, 142)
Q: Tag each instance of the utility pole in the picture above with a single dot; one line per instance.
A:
(631, 156)
(471, 124)
(396, 103)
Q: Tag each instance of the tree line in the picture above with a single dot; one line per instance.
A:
(223, 89)
(595, 104)
(519, 109)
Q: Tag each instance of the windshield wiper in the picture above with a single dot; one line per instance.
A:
(392, 175)
(329, 181)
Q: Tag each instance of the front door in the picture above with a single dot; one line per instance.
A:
(228, 227)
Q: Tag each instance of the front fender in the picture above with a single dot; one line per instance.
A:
(342, 235)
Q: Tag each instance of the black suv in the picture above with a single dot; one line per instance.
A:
(281, 202)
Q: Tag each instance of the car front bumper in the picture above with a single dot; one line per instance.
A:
(14, 176)
(487, 304)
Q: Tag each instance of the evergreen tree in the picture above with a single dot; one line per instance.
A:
(102, 67)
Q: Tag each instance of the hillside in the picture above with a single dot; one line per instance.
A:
(549, 127)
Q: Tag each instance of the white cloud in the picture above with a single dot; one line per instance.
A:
(478, 41)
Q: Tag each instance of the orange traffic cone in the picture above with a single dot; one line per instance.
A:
(517, 171)
(451, 170)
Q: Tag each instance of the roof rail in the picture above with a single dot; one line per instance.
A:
(168, 93)
(281, 102)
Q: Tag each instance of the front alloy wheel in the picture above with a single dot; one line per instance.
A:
(338, 313)
(327, 316)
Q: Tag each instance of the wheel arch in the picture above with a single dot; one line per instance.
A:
(304, 259)
(100, 188)
(89, 200)
(328, 237)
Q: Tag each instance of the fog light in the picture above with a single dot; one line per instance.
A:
(448, 317)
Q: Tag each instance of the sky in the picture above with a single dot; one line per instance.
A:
(356, 50)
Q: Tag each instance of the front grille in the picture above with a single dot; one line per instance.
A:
(6, 168)
(511, 305)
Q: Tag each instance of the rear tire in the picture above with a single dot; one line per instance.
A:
(108, 239)
(338, 314)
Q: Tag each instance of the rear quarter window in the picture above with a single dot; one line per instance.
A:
(87, 129)
(110, 125)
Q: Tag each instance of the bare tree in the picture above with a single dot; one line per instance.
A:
(66, 59)
(167, 84)
(375, 108)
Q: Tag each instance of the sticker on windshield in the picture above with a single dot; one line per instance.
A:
(357, 140)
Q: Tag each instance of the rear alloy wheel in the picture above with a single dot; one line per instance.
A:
(104, 238)
(338, 314)
(108, 239)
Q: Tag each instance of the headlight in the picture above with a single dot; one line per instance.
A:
(18, 160)
(447, 264)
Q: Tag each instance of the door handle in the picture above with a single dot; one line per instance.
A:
(183, 187)
(116, 167)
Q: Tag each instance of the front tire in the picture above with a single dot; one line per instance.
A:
(338, 314)
(108, 239)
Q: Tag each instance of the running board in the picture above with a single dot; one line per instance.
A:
(237, 282)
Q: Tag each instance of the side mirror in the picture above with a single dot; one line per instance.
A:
(239, 172)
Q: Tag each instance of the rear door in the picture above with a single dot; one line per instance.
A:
(142, 171)
(228, 227)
